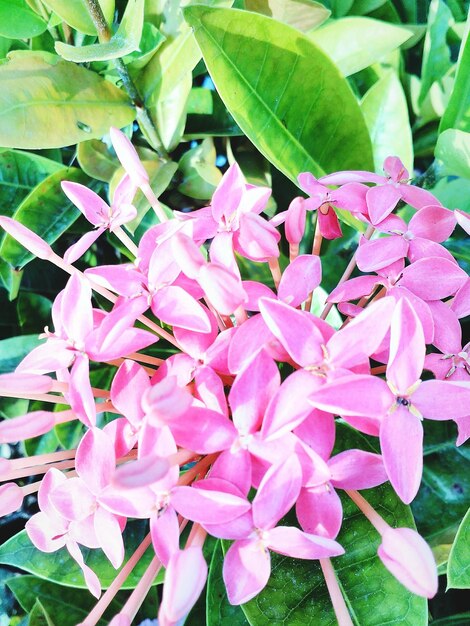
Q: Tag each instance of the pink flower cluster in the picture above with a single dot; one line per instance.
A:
(251, 395)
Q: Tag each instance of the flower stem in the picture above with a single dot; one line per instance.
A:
(108, 596)
(374, 518)
(337, 600)
(143, 115)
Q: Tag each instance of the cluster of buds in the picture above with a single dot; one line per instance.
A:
(255, 384)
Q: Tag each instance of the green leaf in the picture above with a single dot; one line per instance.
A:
(18, 21)
(173, 60)
(457, 112)
(170, 113)
(67, 607)
(59, 567)
(218, 608)
(290, 119)
(444, 496)
(436, 54)
(302, 14)
(386, 114)
(343, 41)
(46, 102)
(20, 173)
(14, 349)
(150, 41)
(453, 149)
(124, 41)
(458, 566)
(33, 310)
(46, 211)
(96, 160)
(200, 174)
(296, 593)
(207, 116)
(361, 7)
(76, 14)
(39, 616)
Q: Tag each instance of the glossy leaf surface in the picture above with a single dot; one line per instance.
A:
(290, 120)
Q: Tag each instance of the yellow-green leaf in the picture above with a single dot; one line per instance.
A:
(46, 102)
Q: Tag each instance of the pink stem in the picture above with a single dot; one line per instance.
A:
(275, 270)
(337, 600)
(374, 518)
(116, 585)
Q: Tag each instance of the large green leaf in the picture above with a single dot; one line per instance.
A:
(457, 113)
(280, 87)
(18, 21)
(46, 102)
(177, 56)
(66, 607)
(20, 172)
(39, 616)
(453, 150)
(207, 116)
(76, 13)
(302, 14)
(59, 567)
(14, 349)
(436, 54)
(46, 211)
(96, 160)
(458, 567)
(386, 114)
(343, 40)
(444, 496)
(124, 41)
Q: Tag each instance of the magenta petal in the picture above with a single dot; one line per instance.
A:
(295, 330)
(256, 238)
(246, 570)
(73, 500)
(229, 194)
(129, 385)
(11, 498)
(26, 238)
(291, 541)
(128, 157)
(409, 558)
(283, 415)
(207, 506)
(90, 204)
(417, 197)
(109, 534)
(407, 347)
(141, 473)
(30, 425)
(319, 511)
(91, 578)
(203, 431)
(357, 469)
(95, 460)
(173, 305)
(357, 395)
(354, 289)
(379, 253)
(277, 492)
(164, 529)
(433, 222)
(362, 336)
(185, 578)
(442, 399)
(433, 278)
(299, 279)
(79, 248)
(461, 303)
(235, 467)
(251, 392)
(223, 289)
(381, 201)
(80, 394)
(47, 533)
(401, 441)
